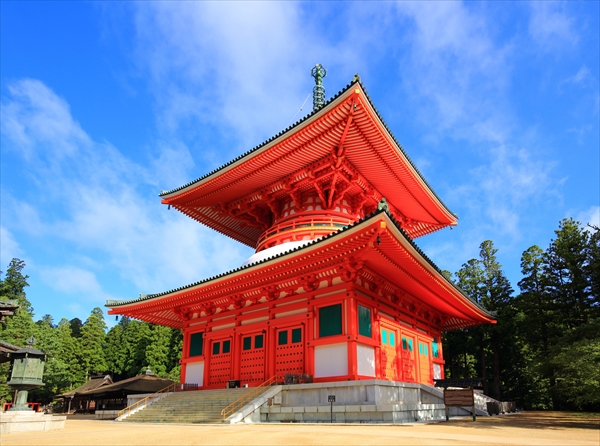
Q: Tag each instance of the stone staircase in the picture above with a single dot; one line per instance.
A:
(200, 406)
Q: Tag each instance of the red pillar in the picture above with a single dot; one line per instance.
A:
(377, 338)
(309, 337)
(352, 336)
(236, 352)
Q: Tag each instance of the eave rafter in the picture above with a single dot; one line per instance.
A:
(430, 279)
(331, 184)
(400, 299)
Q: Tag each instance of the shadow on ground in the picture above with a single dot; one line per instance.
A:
(534, 420)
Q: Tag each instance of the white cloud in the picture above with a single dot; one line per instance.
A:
(551, 27)
(457, 72)
(589, 216)
(36, 117)
(225, 63)
(583, 76)
(9, 248)
(92, 201)
(72, 280)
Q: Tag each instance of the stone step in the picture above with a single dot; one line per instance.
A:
(194, 407)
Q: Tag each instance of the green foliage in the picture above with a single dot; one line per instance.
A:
(19, 327)
(157, 350)
(578, 379)
(91, 344)
(76, 326)
(131, 346)
(486, 348)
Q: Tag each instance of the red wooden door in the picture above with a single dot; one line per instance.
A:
(389, 354)
(424, 362)
(289, 351)
(409, 372)
(220, 362)
(252, 358)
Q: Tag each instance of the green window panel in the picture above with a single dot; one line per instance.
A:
(364, 321)
(410, 345)
(196, 342)
(435, 349)
(420, 348)
(404, 343)
(226, 346)
(258, 341)
(392, 339)
(247, 343)
(282, 337)
(216, 348)
(330, 320)
(296, 335)
(426, 349)
(384, 338)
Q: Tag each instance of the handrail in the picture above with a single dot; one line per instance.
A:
(305, 224)
(243, 400)
(144, 401)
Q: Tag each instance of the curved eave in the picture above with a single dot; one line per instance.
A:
(439, 292)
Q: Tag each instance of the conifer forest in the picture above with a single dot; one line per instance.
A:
(543, 353)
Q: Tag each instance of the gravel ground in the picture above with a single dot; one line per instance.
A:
(526, 428)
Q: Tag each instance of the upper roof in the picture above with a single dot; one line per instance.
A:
(397, 258)
(347, 126)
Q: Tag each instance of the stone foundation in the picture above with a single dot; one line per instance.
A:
(372, 401)
(29, 421)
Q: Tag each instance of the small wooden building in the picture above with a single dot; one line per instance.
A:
(75, 401)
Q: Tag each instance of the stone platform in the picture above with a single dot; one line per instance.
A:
(29, 421)
(369, 401)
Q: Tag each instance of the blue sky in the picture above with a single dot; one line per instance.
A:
(106, 104)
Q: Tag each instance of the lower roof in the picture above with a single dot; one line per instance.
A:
(394, 257)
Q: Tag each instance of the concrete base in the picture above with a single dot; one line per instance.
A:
(106, 414)
(29, 421)
(372, 401)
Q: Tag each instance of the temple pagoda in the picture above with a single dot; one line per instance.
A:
(337, 289)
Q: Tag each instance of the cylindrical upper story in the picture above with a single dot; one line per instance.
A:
(307, 221)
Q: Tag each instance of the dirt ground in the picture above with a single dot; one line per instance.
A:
(526, 428)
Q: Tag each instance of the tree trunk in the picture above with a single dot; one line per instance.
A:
(497, 392)
(483, 372)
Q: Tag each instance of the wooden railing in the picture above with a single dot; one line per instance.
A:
(149, 399)
(244, 399)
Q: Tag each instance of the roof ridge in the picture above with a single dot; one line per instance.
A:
(264, 143)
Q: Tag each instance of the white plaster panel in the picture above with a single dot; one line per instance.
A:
(331, 360)
(437, 371)
(365, 356)
(194, 373)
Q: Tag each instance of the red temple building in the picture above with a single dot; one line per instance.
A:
(337, 289)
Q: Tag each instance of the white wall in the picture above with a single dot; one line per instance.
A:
(194, 373)
(331, 360)
(437, 371)
(365, 356)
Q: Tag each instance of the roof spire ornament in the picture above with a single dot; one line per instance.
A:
(318, 72)
(382, 205)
